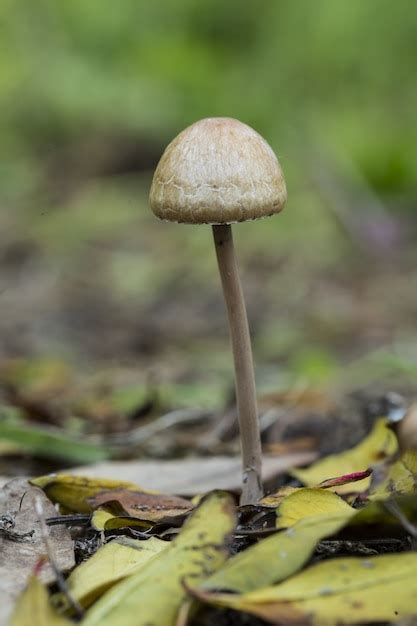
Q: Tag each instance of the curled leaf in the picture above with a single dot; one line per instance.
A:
(73, 492)
(143, 506)
(104, 520)
(380, 444)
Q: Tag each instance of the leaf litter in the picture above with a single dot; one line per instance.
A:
(155, 568)
(23, 549)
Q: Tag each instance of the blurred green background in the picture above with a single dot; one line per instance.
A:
(92, 92)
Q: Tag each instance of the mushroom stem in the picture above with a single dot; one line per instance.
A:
(244, 374)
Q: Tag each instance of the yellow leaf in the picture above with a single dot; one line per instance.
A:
(99, 519)
(375, 512)
(254, 568)
(401, 477)
(104, 520)
(334, 592)
(33, 607)
(291, 548)
(155, 593)
(306, 502)
(381, 443)
(72, 492)
(321, 505)
(274, 499)
(109, 564)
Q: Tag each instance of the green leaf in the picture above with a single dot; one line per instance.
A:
(51, 443)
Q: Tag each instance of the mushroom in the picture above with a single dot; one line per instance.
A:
(220, 171)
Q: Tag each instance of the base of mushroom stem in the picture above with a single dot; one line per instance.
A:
(252, 490)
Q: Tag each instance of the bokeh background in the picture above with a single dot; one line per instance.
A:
(90, 95)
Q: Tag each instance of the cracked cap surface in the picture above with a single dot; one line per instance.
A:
(217, 171)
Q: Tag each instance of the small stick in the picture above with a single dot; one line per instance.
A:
(244, 374)
(49, 551)
(143, 433)
(392, 507)
(79, 519)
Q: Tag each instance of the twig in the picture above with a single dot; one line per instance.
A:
(79, 519)
(392, 507)
(244, 532)
(144, 433)
(49, 551)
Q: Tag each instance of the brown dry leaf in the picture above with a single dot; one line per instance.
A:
(307, 399)
(143, 506)
(33, 608)
(188, 477)
(18, 558)
(292, 445)
(334, 592)
(73, 492)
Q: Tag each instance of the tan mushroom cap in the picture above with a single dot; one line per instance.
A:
(217, 171)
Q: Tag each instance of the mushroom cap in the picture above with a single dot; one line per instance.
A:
(217, 171)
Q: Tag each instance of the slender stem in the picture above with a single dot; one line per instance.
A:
(244, 375)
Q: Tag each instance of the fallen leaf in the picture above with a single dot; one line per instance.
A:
(322, 505)
(111, 563)
(34, 608)
(345, 479)
(188, 477)
(38, 379)
(291, 548)
(272, 500)
(104, 520)
(18, 558)
(401, 477)
(334, 592)
(383, 511)
(73, 492)
(143, 506)
(311, 502)
(155, 593)
(49, 442)
(380, 444)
